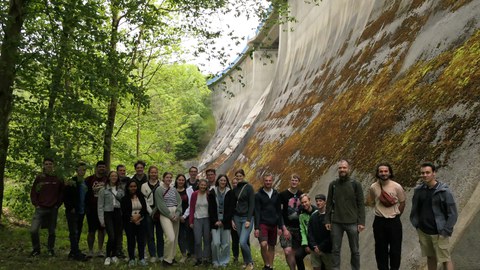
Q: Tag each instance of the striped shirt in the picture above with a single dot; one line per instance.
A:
(170, 197)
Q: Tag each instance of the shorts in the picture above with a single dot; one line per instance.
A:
(93, 221)
(434, 245)
(295, 240)
(324, 259)
(268, 233)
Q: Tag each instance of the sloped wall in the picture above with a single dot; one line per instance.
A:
(371, 81)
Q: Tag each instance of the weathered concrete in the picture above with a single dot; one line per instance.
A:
(368, 80)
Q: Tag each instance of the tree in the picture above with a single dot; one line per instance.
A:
(8, 61)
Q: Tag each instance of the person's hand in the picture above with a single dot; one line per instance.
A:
(328, 226)
(360, 227)
(279, 232)
(182, 219)
(191, 225)
(102, 225)
(256, 233)
(219, 224)
(234, 227)
(286, 234)
(247, 224)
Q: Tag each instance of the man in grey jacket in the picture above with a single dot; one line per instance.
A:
(434, 213)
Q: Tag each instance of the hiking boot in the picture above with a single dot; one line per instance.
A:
(131, 263)
(142, 262)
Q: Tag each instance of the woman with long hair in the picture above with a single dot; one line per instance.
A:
(200, 223)
(243, 216)
(168, 202)
(110, 214)
(220, 212)
(134, 211)
(154, 228)
(180, 185)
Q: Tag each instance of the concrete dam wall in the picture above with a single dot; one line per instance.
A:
(370, 81)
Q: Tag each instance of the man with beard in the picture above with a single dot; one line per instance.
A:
(345, 213)
(387, 227)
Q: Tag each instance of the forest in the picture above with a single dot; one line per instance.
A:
(104, 80)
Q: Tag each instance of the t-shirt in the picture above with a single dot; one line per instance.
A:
(94, 184)
(201, 206)
(291, 207)
(395, 190)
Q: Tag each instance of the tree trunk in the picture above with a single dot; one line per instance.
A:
(8, 60)
(113, 85)
(107, 142)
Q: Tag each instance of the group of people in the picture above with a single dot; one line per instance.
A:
(206, 218)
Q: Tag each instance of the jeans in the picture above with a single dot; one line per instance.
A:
(220, 246)
(201, 229)
(44, 216)
(135, 235)
(388, 242)
(154, 230)
(75, 225)
(235, 243)
(244, 235)
(113, 226)
(337, 235)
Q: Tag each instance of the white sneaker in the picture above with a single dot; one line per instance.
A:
(153, 259)
(108, 261)
(114, 260)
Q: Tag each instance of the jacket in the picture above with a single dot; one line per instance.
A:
(304, 219)
(148, 193)
(267, 210)
(228, 204)
(444, 208)
(162, 206)
(72, 195)
(244, 200)
(106, 200)
(345, 202)
(318, 235)
(126, 206)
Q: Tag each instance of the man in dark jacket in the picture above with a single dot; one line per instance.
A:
(319, 237)
(268, 220)
(434, 214)
(47, 196)
(345, 213)
(75, 193)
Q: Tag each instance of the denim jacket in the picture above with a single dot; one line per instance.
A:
(105, 201)
(444, 208)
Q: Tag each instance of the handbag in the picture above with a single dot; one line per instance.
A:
(386, 199)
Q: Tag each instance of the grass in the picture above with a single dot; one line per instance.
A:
(15, 246)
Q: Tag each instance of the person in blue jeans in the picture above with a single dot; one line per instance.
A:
(243, 216)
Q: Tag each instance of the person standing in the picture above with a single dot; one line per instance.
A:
(387, 226)
(134, 210)
(211, 177)
(243, 215)
(319, 239)
(94, 184)
(154, 228)
(268, 220)
(169, 203)
(192, 181)
(110, 214)
(200, 223)
(183, 243)
(122, 174)
(434, 214)
(46, 196)
(291, 240)
(220, 212)
(75, 191)
(307, 211)
(345, 213)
